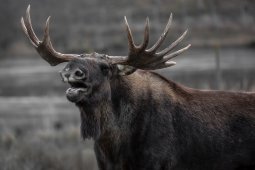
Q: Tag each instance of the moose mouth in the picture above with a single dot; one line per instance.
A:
(77, 91)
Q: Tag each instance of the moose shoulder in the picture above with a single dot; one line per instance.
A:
(140, 120)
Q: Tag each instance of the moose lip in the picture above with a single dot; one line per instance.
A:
(76, 94)
(77, 91)
(78, 88)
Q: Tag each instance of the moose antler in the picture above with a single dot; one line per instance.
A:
(138, 58)
(149, 59)
(44, 48)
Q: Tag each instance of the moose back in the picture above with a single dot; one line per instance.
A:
(140, 120)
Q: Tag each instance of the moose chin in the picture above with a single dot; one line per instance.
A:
(140, 120)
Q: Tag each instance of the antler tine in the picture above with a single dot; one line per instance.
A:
(163, 35)
(140, 58)
(28, 29)
(163, 65)
(170, 56)
(46, 37)
(174, 44)
(146, 35)
(47, 41)
(176, 53)
(131, 43)
(44, 48)
(25, 31)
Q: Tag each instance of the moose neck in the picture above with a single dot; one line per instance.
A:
(140, 93)
(96, 116)
(109, 117)
(114, 116)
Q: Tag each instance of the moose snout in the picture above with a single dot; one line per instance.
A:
(73, 76)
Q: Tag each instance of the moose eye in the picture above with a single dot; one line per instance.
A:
(104, 68)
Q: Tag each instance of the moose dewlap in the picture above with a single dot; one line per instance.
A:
(139, 120)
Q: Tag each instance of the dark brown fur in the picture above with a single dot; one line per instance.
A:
(148, 122)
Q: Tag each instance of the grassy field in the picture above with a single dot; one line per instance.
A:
(38, 133)
(39, 128)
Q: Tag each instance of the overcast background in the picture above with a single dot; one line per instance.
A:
(39, 128)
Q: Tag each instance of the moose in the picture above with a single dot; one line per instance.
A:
(140, 120)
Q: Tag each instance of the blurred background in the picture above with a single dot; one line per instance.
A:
(39, 128)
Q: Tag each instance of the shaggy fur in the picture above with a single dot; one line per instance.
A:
(145, 122)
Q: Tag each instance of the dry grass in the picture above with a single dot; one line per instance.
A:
(51, 150)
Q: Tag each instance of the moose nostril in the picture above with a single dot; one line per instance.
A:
(79, 74)
(67, 75)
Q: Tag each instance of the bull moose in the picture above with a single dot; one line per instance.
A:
(140, 120)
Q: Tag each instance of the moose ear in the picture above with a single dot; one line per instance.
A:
(124, 70)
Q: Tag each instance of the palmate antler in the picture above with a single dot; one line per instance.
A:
(44, 48)
(139, 57)
(148, 59)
